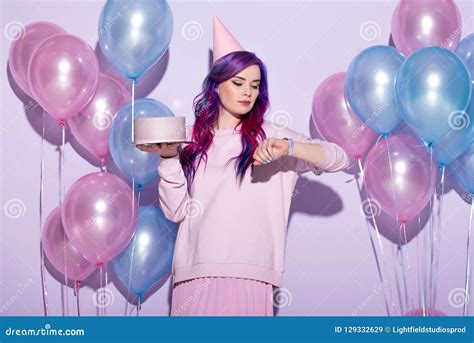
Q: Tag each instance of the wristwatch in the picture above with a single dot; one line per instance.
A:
(291, 145)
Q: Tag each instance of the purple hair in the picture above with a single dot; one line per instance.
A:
(206, 111)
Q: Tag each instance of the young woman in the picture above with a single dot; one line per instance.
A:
(230, 190)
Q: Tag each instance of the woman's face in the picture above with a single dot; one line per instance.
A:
(238, 94)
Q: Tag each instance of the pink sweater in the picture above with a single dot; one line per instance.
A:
(227, 231)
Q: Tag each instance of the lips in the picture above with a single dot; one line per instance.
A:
(245, 102)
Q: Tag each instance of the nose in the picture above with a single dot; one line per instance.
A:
(248, 90)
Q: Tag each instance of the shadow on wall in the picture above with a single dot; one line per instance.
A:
(34, 115)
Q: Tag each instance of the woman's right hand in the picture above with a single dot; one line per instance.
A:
(164, 149)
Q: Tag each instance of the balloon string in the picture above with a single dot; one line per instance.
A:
(361, 169)
(373, 245)
(396, 215)
(443, 167)
(44, 289)
(99, 301)
(131, 310)
(468, 263)
(380, 136)
(61, 194)
(133, 188)
(402, 265)
(421, 283)
(77, 286)
(104, 290)
(139, 305)
(397, 277)
(103, 162)
(405, 247)
(132, 253)
(438, 234)
(133, 150)
(391, 178)
(133, 110)
(431, 238)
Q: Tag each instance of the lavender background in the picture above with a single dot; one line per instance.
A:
(330, 266)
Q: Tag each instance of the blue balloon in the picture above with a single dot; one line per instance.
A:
(432, 87)
(369, 87)
(124, 153)
(457, 140)
(134, 34)
(153, 247)
(463, 169)
(465, 50)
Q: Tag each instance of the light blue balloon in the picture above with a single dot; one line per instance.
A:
(124, 153)
(134, 34)
(465, 50)
(369, 87)
(432, 86)
(153, 247)
(458, 139)
(463, 170)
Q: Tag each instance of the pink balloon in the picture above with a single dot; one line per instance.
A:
(97, 216)
(55, 242)
(22, 48)
(62, 75)
(413, 180)
(421, 23)
(335, 120)
(91, 126)
(429, 312)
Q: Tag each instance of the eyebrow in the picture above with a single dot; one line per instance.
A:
(243, 78)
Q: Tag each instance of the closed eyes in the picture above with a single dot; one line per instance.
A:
(238, 84)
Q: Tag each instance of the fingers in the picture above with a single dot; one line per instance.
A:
(152, 147)
(257, 157)
(142, 147)
(263, 154)
(258, 160)
(266, 150)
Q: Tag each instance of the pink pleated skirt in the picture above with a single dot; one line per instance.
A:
(222, 296)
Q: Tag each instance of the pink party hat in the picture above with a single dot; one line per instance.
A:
(224, 42)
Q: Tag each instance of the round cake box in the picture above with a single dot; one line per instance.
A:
(159, 130)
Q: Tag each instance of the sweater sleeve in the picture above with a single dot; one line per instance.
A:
(335, 157)
(172, 188)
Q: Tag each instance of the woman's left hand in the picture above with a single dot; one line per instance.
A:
(269, 150)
